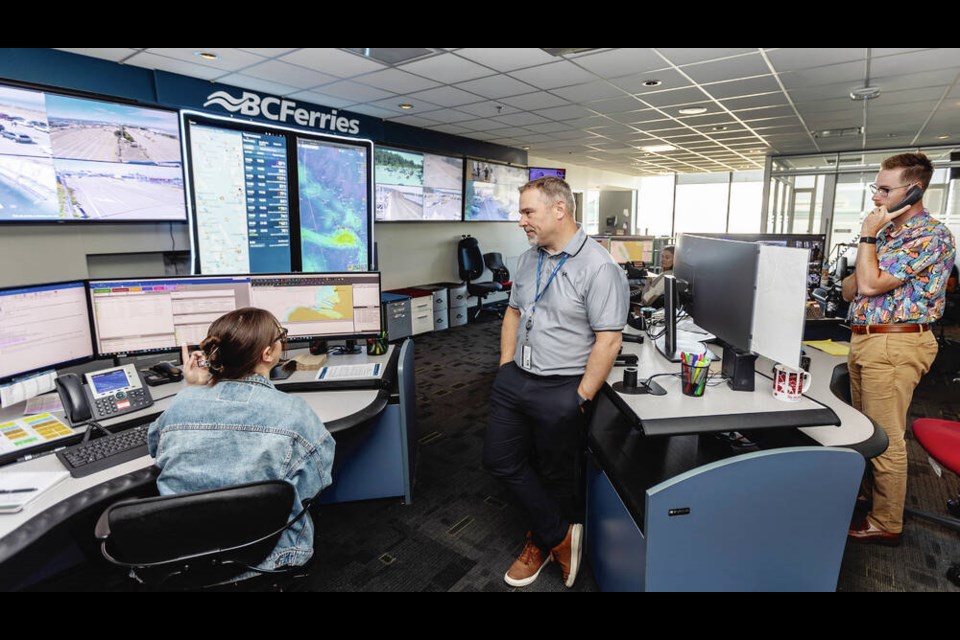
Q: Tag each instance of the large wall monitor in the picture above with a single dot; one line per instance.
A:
(544, 172)
(493, 191)
(147, 315)
(271, 199)
(334, 183)
(43, 326)
(413, 186)
(67, 159)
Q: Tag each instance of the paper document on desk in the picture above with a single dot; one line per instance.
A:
(18, 488)
(829, 346)
(25, 432)
(350, 372)
(688, 325)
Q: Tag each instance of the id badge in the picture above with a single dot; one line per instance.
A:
(526, 356)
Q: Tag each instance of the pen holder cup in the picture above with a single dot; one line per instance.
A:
(693, 378)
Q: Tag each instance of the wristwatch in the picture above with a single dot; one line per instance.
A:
(868, 240)
(582, 402)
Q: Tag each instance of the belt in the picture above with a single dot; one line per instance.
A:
(902, 327)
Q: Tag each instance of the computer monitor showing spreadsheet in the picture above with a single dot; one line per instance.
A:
(149, 315)
(43, 326)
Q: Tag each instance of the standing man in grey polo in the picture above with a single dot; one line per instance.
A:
(560, 337)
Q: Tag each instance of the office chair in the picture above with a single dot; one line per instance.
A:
(941, 439)
(199, 539)
(470, 262)
(501, 275)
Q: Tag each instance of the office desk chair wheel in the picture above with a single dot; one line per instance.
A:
(941, 439)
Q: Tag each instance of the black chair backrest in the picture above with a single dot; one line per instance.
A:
(168, 529)
(469, 259)
(494, 262)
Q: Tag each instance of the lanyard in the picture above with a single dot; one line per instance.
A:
(539, 294)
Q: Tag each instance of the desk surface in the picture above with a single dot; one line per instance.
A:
(339, 410)
(718, 401)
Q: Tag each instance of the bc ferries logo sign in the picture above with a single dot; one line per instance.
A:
(280, 110)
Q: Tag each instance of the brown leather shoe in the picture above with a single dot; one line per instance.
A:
(528, 565)
(866, 532)
(567, 553)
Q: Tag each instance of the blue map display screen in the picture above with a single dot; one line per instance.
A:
(334, 188)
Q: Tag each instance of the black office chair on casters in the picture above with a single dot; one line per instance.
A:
(501, 275)
(202, 539)
(470, 262)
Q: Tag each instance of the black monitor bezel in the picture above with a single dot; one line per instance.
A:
(408, 149)
(89, 95)
(62, 363)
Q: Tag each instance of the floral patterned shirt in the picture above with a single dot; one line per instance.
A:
(920, 254)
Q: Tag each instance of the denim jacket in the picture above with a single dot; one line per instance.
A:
(240, 431)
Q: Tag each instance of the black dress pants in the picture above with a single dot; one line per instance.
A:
(534, 444)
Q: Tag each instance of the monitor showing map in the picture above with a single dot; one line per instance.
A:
(68, 159)
(149, 315)
(240, 195)
(334, 183)
(413, 186)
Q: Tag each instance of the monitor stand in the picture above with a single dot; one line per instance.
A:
(671, 355)
(349, 349)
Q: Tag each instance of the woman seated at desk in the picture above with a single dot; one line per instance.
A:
(653, 294)
(231, 426)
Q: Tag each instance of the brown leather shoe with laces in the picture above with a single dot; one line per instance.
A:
(528, 565)
(567, 553)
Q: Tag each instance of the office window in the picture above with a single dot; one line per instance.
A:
(746, 202)
(701, 204)
(591, 212)
(655, 206)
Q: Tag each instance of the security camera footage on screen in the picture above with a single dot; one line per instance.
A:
(418, 186)
(72, 159)
(493, 191)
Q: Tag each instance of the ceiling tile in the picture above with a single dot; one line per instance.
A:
(533, 101)
(906, 63)
(288, 74)
(620, 62)
(481, 125)
(229, 60)
(446, 96)
(495, 87)
(614, 105)
(446, 68)
(564, 113)
(354, 91)
(450, 116)
(321, 98)
(521, 119)
(548, 127)
(849, 72)
(414, 121)
(153, 61)
(746, 87)
(507, 59)
(396, 81)
(556, 74)
(372, 110)
(589, 91)
(669, 79)
(332, 61)
(764, 100)
(794, 59)
(488, 108)
(915, 80)
(269, 52)
(676, 97)
(450, 128)
(726, 69)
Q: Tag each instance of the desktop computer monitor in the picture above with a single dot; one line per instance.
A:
(631, 249)
(321, 306)
(152, 315)
(43, 326)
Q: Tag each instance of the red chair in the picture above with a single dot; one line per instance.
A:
(941, 439)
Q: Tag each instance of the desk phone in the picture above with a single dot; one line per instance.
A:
(104, 394)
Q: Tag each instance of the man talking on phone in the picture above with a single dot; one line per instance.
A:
(897, 291)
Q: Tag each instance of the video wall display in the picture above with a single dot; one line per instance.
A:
(413, 186)
(333, 180)
(492, 192)
(269, 199)
(544, 172)
(68, 159)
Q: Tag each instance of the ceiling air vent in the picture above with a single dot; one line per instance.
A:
(393, 56)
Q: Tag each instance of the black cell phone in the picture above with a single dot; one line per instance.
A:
(913, 194)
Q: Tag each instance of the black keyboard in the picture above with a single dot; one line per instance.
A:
(103, 453)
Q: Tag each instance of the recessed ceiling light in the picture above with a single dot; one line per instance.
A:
(659, 148)
(720, 128)
(206, 55)
(942, 137)
(693, 111)
(405, 106)
(652, 83)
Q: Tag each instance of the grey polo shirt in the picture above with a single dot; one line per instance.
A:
(590, 293)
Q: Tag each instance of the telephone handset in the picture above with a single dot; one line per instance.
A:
(107, 393)
(913, 195)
